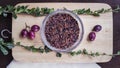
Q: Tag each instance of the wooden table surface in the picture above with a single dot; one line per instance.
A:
(114, 63)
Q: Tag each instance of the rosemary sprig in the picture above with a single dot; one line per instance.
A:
(85, 52)
(31, 48)
(73, 53)
(96, 12)
(45, 49)
(24, 9)
(93, 54)
(44, 11)
(40, 49)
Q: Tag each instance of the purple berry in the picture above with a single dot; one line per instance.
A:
(92, 36)
(35, 28)
(24, 33)
(97, 28)
(31, 35)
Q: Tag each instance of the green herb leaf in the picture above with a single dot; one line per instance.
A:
(51, 10)
(9, 45)
(14, 15)
(3, 50)
(47, 49)
(92, 54)
(41, 50)
(58, 55)
(9, 8)
(118, 53)
(85, 51)
(116, 9)
(1, 10)
(88, 11)
(78, 52)
(21, 9)
(97, 54)
(100, 11)
(72, 53)
(1, 40)
(37, 12)
(34, 50)
(96, 14)
(18, 43)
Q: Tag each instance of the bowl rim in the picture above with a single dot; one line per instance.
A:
(81, 31)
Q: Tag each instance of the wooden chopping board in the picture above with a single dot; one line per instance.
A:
(103, 42)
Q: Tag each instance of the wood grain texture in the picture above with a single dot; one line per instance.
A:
(103, 42)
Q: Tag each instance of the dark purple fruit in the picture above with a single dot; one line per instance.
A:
(35, 28)
(92, 36)
(31, 35)
(24, 33)
(97, 28)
